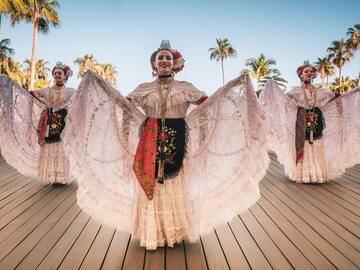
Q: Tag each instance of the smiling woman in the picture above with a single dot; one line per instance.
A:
(164, 63)
(35, 120)
(178, 180)
(314, 130)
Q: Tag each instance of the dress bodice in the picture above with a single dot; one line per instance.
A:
(53, 99)
(181, 95)
(323, 97)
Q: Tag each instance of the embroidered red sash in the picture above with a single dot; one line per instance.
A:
(145, 157)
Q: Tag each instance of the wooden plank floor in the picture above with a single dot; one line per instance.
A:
(292, 226)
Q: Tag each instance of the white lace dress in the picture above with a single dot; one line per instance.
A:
(54, 163)
(329, 156)
(218, 180)
(20, 114)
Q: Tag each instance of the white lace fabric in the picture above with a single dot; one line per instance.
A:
(54, 164)
(328, 157)
(180, 97)
(19, 116)
(218, 180)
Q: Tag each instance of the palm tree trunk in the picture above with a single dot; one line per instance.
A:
(358, 83)
(222, 70)
(327, 81)
(33, 52)
(322, 82)
(258, 90)
(340, 76)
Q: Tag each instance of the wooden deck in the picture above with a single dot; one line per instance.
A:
(291, 227)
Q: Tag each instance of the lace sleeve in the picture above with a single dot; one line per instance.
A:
(19, 116)
(342, 131)
(227, 152)
(137, 96)
(100, 137)
(281, 112)
(193, 95)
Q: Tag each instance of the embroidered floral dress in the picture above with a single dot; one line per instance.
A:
(330, 154)
(54, 163)
(213, 157)
(162, 216)
(30, 140)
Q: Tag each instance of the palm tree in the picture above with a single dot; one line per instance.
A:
(6, 65)
(5, 56)
(4, 8)
(276, 78)
(330, 71)
(263, 70)
(321, 66)
(354, 40)
(340, 52)
(343, 85)
(108, 72)
(16, 73)
(220, 52)
(354, 33)
(86, 62)
(41, 13)
(41, 73)
(326, 69)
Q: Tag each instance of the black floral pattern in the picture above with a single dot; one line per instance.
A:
(56, 124)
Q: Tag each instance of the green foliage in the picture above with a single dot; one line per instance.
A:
(41, 13)
(342, 85)
(354, 36)
(263, 69)
(88, 62)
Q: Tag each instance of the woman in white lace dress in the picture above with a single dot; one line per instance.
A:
(314, 130)
(188, 171)
(35, 120)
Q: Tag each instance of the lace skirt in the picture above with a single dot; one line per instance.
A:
(312, 169)
(163, 220)
(54, 164)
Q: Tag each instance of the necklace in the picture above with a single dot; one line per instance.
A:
(311, 107)
(163, 97)
(163, 101)
(165, 76)
(313, 97)
(54, 95)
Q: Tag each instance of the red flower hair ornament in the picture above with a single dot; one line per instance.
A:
(67, 70)
(177, 57)
(306, 64)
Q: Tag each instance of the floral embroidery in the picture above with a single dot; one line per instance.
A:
(144, 162)
(311, 121)
(167, 141)
(56, 124)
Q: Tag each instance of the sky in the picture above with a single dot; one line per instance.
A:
(125, 33)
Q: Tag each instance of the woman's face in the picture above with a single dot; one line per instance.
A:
(59, 76)
(308, 74)
(164, 62)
